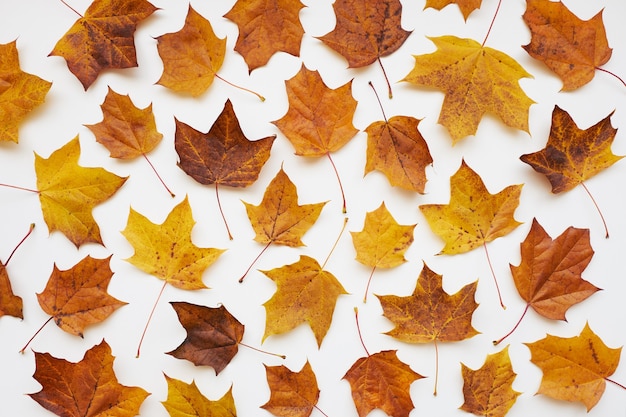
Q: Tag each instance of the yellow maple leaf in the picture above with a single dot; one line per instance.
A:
(186, 400)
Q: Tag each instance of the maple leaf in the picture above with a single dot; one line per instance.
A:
(192, 56)
(488, 391)
(396, 148)
(549, 275)
(20, 92)
(571, 47)
(381, 381)
(88, 388)
(292, 394)
(10, 304)
(266, 27)
(186, 400)
(305, 294)
(68, 193)
(223, 156)
(213, 335)
(166, 250)
(103, 38)
(574, 369)
(475, 79)
(466, 6)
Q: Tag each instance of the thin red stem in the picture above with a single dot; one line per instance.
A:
(386, 78)
(497, 342)
(320, 410)
(367, 287)
(71, 8)
(240, 87)
(493, 274)
(262, 351)
(613, 74)
(358, 329)
(345, 222)
(382, 110)
(145, 329)
(606, 229)
(158, 176)
(616, 383)
(19, 188)
(492, 21)
(219, 205)
(254, 261)
(436, 367)
(343, 195)
(36, 333)
(30, 230)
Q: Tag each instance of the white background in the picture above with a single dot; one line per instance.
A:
(493, 153)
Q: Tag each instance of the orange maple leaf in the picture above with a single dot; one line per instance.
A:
(475, 79)
(488, 391)
(20, 92)
(466, 6)
(292, 394)
(396, 148)
(571, 47)
(213, 335)
(186, 400)
(265, 28)
(68, 193)
(305, 293)
(103, 38)
(192, 56)
(88, 388)
(10, 304)
(574, 369)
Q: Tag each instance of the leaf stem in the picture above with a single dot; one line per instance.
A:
(263, 351)
(219, 205)
(254, 261)
(386, 78)
(493, 274)
(240, 87)
(145, 329)
(30, 230)
(345, 222)
(436, 366)
(491, 24)
(71, 8)
(358, 329)
(344, 210)
(613, 74)
(320, 410)
(616, 383)
(36, 333)
(382, 110)
(497, 342)
(367, 287)
(158, 176)
(19, 188)
(606, 229)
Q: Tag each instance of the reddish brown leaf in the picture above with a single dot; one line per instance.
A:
(10, 304)
(292, 394)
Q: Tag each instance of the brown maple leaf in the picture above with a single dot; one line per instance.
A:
(292, 394)
(103, 38)
(192, 56)
(396, 148)
(265, 28)
(224, 155)
(571, 47)
(430, 314)
(20, 92)
(574, 369)
(213, 335)
(68, 193)
(466, 6)
(11, 304)
(88, 388)
(488, 391)
(186, 400)
(549, 275)
(476, 79)
(305, 293)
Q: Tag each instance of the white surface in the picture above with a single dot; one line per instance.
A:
(493, 153)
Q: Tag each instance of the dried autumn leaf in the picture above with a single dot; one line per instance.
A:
(488, 391)
(103, 38)
(213, 335)
(186, 400)
(305, 293)
(192, 56)
(292, 394)
(397, 149)
(466, 6)
(265, 28)
(68, 193)
(20, 92)
(571, 47)
(475, 79)
(382, 381)
(10, 304)
(574, 369)
(88, 388)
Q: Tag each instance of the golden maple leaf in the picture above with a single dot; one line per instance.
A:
(186, 400)
(466, 6)
(192, 56)
(68, 193)
(20, 92)
(265, 28)
(292, 394)
(475, 79)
